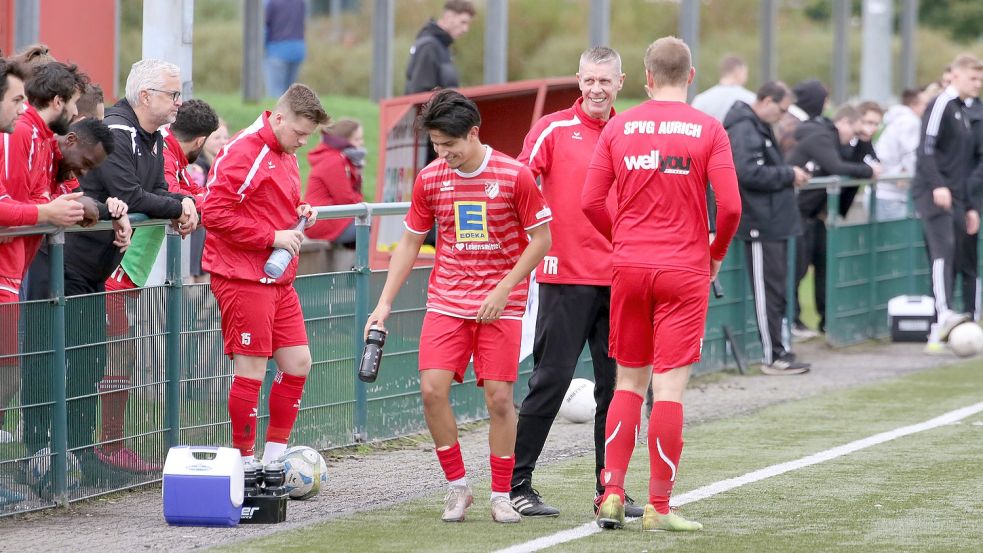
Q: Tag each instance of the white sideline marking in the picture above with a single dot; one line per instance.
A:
(590, 528)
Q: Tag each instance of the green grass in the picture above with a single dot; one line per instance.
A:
(240, 115)
(917, 493)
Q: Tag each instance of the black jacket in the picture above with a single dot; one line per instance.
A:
(857, 151)
(818, 151)
(766, 182)
(431, 64)
(134, 173)
(975, 183)
(946, 150)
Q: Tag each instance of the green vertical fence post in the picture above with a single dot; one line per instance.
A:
(172, 387)
(914, 228)
(59, 423)
(872, 265)
(832, 269)
(362, 282)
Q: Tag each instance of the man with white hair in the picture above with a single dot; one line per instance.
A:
(134, 173)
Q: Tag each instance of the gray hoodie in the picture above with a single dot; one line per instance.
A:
(897, 149)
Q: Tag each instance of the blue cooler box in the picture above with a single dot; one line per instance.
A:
(203, 486)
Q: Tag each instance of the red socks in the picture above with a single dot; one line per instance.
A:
(665, 447)
(453, 463)
(243, 400)
(115, 392)
(621, 431)
(284, 404)
(501, 473)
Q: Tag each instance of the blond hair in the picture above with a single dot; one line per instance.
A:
(967, 61)
(669, 61)
(300, 100)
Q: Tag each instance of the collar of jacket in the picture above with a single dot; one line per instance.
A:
(267, 135)
(33, 118)
(587, 120)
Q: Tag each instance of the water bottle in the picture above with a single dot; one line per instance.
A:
(274, 476)
(368, 367)
(280, 258)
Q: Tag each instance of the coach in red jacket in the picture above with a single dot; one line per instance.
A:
(253, 201)
(574, 277)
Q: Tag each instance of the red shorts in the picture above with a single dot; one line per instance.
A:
(119, 287)
(448, 343)
(258, 319)
(9, 316)
(658, 317)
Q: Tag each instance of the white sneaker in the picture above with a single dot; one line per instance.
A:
(801, 333)
(457, 501)
(502, 511)
(951, 321)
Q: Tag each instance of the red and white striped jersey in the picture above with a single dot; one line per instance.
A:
(558, 150)
(253, 191)
(482, 219)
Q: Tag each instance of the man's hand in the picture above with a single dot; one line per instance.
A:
(117, 207)
(123, 232)
(801, 176)
(188, 222)
(714, 268)
(876, 167)
(90, 209)
(305, 210)
(289, 240)
(378, 318)
(63, 211)
(491, 309)
(943, 197)
(972, 222)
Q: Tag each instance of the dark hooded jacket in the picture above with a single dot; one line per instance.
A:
(133, 173)
(431, 64)
(818, 150)
(766, 182)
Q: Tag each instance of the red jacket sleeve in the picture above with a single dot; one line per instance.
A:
(17, 177)
(223, 211)
(16, 214)
(723, 180)
(600, 176)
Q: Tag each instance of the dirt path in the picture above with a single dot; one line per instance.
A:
(133, 521)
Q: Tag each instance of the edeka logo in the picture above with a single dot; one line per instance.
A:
(471, 221)
(648, 162)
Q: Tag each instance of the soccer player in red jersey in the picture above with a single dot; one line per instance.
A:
(252, 204)
(659, 156)
(574, 277)
(484, 203)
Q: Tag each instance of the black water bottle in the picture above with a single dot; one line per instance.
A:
(368, 367)
(274, 476)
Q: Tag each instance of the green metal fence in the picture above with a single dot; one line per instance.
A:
(179, 377)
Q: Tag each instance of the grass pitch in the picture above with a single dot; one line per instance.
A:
(916, 493)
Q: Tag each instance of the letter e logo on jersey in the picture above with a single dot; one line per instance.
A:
(491, 189)
(246, 338)
(471, 221)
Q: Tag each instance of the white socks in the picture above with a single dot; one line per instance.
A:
(273, 451)
(459, 483)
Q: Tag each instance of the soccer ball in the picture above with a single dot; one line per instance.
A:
(305, 471)
(578, 404)
(39, 471)
(966, 339)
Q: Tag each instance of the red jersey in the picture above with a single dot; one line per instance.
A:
(253, 191)
(29, 158)
(482, 219)
(558, 149)
(660, 156)
(334, 180)
(12, 212)
(176, 174)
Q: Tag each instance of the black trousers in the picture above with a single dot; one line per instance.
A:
(951, 250)
(569, 316)
(966, 263)
(811, 250)
(767, 265)
(85, 337)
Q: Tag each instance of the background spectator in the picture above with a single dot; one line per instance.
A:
(284, 39)
(717, 100)
(810, 102)
(431, 64)
(336, 178)
(895, 148)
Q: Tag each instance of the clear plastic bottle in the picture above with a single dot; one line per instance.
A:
(277, 263)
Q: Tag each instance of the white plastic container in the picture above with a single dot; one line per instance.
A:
(910, 318)
(203, 486)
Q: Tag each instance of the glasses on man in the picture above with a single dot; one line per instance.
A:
(174, 94)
